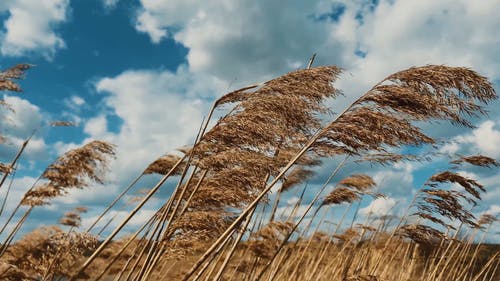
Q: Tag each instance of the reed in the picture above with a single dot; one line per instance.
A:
(220, 223)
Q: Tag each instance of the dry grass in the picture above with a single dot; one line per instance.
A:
(215, 225)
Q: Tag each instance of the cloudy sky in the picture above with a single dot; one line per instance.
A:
(142, 74)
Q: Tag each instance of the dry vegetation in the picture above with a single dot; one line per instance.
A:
(220, 223)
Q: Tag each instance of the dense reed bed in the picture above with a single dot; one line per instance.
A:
(226, 218)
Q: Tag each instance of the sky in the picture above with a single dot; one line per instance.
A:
(142, 74)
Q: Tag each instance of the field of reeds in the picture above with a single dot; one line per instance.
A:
(226, 217)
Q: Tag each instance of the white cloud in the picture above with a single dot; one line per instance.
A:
(450, 148)
(397, 181)
(18, 125)
(401, 34)
(243, 40)
(118, 216)
(30, 27)
(159, 111)
(486, 138)
(481, 140)
(74, 104)
(24, 118)
(493, 210)
(96, 126)
(249, 40)
(149, 24)
(19, 187)
(379, 207)
(78, 101)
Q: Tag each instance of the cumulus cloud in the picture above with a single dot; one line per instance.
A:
(241, 39)
(379, 207)
(23, 118)
(485, 138)
(30, 27)
(160, 111)
(76, 100)
(74, 103)
(19, 187)
(481, 140)
(395, 181)
(17, 125)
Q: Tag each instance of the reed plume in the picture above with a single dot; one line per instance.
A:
(267, 124)
(163, 164)
(77, 168)
(438, 205)
(265, 242)
(34, 253)
(73, 218)
(8, 77)
(382, 118)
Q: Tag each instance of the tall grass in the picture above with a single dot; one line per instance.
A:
(220, 223)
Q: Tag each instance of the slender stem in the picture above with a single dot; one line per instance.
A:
(13, 233)
(112, 204)
(125, 221)
(207, 264)
(232, 250)
(486, 266)
(256, 201)
(106, 225)
(275, 205)
(158, 231)
(8, 190)
(311, 61)
(47, 273)
(122, 249)
(166, 233)
(18, 155)
(315, 199)
(198, 184)
(19, 204)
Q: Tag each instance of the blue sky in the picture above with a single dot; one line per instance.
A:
(142, 74)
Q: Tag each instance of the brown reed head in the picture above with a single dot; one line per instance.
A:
(73, 218)
(5, 168)
(471, 186)
(486, 219)
(164, 164)
(350, 189)
(359, 182)
(422, 234)
(297, 176)
(35, 252)
(341, 195)
(477, 160)
(62, 124)
(77, 168)
(8, 76)
(446, 203)
(383, 116)
(349, 235)
(265, 242)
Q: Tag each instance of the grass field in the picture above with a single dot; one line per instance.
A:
(222, 222)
